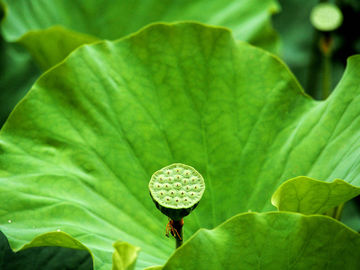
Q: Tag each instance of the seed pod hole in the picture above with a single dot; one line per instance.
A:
(178, 186)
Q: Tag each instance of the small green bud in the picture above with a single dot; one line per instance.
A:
(176, 190)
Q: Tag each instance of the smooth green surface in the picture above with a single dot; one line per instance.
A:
(271, 241)
(77, 153)
(124, 256)
(310, 196)
(35, 23)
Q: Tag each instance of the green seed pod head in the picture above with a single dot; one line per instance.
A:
(326, 17)
(176, 190)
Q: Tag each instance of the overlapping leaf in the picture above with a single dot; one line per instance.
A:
(50, 31)
(78, 151)
(311, 196)
(271, 241)
(43, 258)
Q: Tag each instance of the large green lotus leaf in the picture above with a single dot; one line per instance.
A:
(310, 196)
(271, 241)
(85, 20)
(77, 153)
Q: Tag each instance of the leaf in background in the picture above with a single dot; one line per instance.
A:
(17, 74)
(43, 258)
(78, 152)
(36, 23)
(271, 241)
(50, 46)
(311, 196)
(39, 25)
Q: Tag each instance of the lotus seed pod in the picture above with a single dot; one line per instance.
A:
(326, 17)
(176, 190)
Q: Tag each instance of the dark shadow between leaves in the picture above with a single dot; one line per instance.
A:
(43, 258)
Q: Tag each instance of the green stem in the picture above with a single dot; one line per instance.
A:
(326, 85)
(335, 212)
(338, 211)
(178, 225)
(312, 71)
(326, 49)
(178, 241)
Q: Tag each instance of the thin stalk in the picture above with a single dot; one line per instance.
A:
(326, 49)
(178, 225)
(312, 71)
(326, 77)
(335, 212)
(178, 241)
(338, 211)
